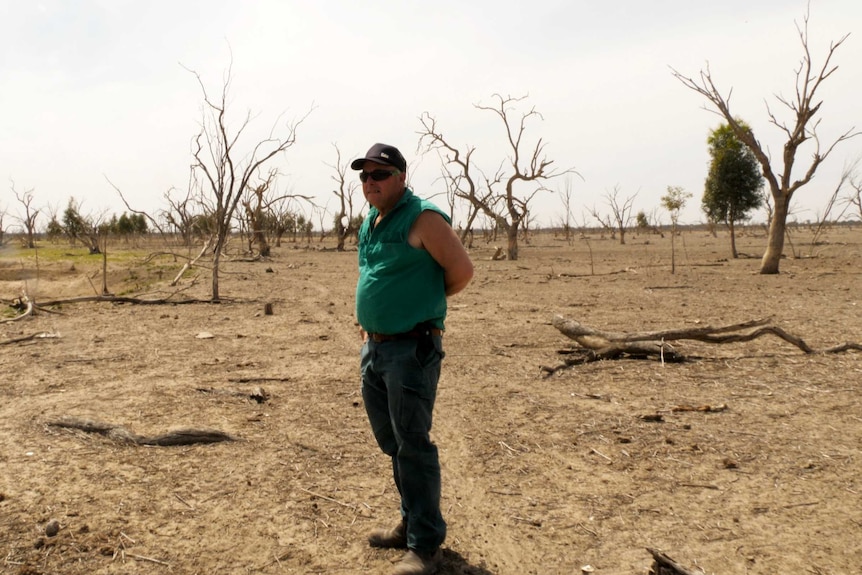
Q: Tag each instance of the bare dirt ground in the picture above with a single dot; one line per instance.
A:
(542, 475)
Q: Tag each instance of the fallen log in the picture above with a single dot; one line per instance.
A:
(123, 299)
(124, 435)
(188, 265)
(664, 565)
(599, 345)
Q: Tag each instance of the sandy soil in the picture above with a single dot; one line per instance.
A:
(542, 475)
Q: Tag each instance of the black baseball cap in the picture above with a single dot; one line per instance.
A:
(382, 154)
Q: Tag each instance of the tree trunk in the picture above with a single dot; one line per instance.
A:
(259, 238)
(775, 246)
(468, 226)
(512, 240)
(673, 248)
(733, 251)
(220, 240)
(105, 269)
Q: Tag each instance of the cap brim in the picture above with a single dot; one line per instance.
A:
(360, 162)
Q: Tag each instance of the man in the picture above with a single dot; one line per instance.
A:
(410, 260)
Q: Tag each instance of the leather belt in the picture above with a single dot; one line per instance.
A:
(412, 334)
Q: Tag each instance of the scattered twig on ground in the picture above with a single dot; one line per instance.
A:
(703, 408)
(39, 335)
(533, 522)
(349, 505)
(700, 485)
(600, 454)
(257, 394)
(189, 505)
(144, 558)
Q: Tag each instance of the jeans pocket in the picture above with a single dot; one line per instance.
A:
(415, 413)
(429, 349)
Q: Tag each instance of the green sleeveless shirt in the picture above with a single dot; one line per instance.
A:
(399, 286)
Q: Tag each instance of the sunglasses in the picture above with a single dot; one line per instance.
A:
(376, 175)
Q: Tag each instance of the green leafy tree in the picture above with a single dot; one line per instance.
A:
(642, 222)
(80, 227)
(128, 225)
(734, 186)
(54, 230)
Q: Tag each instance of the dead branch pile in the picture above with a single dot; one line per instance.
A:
(599, 345)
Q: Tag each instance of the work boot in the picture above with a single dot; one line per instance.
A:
(395, 538)
(419, 563)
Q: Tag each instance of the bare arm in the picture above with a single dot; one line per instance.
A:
(433, 233)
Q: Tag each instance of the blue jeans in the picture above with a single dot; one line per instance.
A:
(399, 386)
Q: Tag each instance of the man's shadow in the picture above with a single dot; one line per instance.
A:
(454, 564)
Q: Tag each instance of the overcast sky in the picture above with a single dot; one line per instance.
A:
(101, 88)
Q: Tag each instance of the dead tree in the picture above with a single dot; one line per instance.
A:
(501, 202)
(180, 214)
(605, 222)
(28, 219)
(854, 198)
(256, 215)
(823, 220)
(566, 219)
(458, 171)
(344, 218)
(226, 171)
(620, 218)
(804, 108)
(533, 168)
